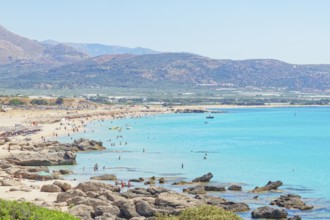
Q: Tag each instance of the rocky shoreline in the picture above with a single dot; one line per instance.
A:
(100, 200)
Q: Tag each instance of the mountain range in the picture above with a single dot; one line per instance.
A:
(26, 63)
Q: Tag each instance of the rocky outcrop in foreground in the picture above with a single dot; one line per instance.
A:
(97, 200)
(269, 213)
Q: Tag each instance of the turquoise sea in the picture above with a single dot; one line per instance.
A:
(245, 146)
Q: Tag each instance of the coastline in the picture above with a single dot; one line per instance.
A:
(51, 120)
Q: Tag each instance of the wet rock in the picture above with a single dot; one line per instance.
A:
(161, 180)
(82, 211)
(291, 201)
(83, 144)
(181, 183)
(195, 190)
(50, 188)
(269, 186)
(205, 178)
(66, 172)
(136, 180)
(63, 185)
(104, 177)
(215, 188)
(235, 187)
(150, 182)
(269, 212)
(296, 217)
(155, 190)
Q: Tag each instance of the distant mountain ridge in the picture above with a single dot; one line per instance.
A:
(27, 63)
(94, 50)
(15, 48)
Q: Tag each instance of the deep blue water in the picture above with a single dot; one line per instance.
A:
(245, 146)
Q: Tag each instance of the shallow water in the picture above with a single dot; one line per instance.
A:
(246, 146)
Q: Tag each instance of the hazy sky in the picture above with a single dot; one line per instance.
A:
(295, 31)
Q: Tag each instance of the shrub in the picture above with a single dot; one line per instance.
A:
(38, 102)
(10, 210)
(16, 102)
(205, 212)
(59, 101)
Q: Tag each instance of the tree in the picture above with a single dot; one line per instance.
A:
(59, 101)
(38, 102)
(16, 102)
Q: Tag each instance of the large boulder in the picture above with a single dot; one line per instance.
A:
(215, 188)
(78, 200)
(83, 144)
(205, 178)
(223, 203)
(173, 199)
(235, 187)
(97, 186)
(269, 186)
(127, 208)
(104, 177)
(144, 209)
(109, 209)
(269, 212)
(50, 188)
(82, 211)
(65, 196)
(291, 201)
(195, 190)
(63, 185)
(43, 159)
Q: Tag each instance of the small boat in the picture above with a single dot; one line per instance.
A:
(210, 117)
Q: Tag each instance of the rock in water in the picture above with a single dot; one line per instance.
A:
(104, 177)
(269, 212)
(269, 186)
(291, 201)
(205, 178)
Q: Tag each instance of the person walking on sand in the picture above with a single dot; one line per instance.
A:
(122, 184)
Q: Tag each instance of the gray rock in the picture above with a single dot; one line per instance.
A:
(235, 188)
(291, 201)
(97, 186)
(215, 188)
(205, 178)
(65, 196)
(82, 211)
(50, 188)
(269, 213)
(296, 217)
(104, 177)
(109, 209)
(63, 185)
(144, 209)
(172, 199)
(127, 208)
(195, 190)
(269, 186)
(223, 203)
(155, 190)
(78, 200)
(161, 180)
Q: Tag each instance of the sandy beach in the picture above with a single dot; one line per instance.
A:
(52, 123)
